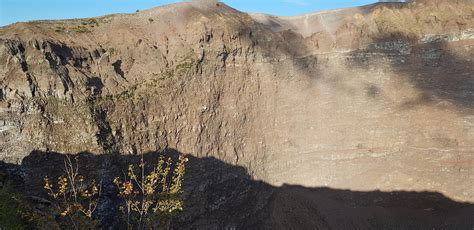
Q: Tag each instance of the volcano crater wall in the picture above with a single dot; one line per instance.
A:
(362, 99)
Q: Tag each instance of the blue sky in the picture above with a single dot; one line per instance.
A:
(24, 10)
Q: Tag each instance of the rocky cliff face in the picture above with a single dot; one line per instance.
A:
(379, 97)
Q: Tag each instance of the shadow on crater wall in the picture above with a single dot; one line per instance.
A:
(441, 70)
(222, 196)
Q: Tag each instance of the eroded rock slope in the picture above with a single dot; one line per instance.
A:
(379, 97)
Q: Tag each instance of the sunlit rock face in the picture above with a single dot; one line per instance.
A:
(379, 97)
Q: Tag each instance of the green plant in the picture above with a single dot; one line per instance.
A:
(90, 22)
(81, 29)
(10, 209)
(151, 199)
(185, 66)
(20, 212)
(74, 197)
(58, 28)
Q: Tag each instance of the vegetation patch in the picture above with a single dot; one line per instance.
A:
(74, 197)
(150, 198)
(17, 211)
(81, 29)
(59, 28)
(84, 26)
(185, 66)
(10, 209)
(90, 22)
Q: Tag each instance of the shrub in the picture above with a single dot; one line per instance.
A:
(81, 29)
(90, 22)
(151, 199)
(75, 198)
(58, 28)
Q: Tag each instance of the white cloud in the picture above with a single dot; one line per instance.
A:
(297, 2)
